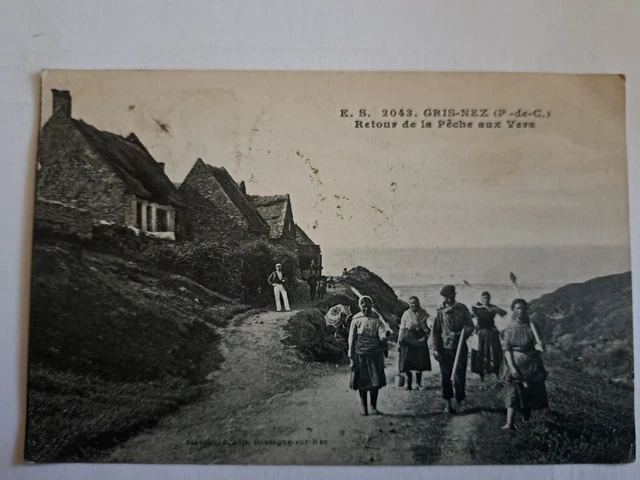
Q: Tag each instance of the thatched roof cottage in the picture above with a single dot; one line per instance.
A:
(277, 211)
(115, 178)
(217, 208)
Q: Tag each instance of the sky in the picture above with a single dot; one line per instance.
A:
(562, 183)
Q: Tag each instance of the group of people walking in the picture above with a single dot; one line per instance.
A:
(512, 354)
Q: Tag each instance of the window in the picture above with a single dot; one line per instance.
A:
(163, 220)
(139, 215)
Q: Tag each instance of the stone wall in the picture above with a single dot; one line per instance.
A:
(212, 215)
(59, 219)
(70, 171)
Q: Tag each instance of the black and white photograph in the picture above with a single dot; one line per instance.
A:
(331, 268)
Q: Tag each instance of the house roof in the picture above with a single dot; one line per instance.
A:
(273, 209)
(239, 199)
(132, 162)
(302, 238)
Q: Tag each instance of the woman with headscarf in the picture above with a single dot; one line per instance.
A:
(452, 321)
(368, 335)
(522, 370)
(488, 357)
(412, 340)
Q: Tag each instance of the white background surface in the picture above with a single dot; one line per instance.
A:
(600, 36)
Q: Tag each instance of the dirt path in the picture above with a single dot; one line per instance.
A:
(459, 440)
(267, 406)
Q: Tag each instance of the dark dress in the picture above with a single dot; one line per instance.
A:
(367, 352)
(529, 391)
(413, 326)
(445, 334)
(313, 282)
(488, 357)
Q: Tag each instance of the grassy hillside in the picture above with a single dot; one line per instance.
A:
(114, 344)
(590, 326)
(589, 421)
(589, 330)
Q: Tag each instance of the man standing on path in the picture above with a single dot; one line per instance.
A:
(277, 281)
(452, 320)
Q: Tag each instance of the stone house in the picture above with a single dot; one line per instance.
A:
(277, 211)
(309, 254)
(113, 177)
(217, 208)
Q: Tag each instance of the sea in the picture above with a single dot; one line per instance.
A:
(423, 271)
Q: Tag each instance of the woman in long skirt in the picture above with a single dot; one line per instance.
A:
(412, 341)
(368, 336)
(488, 357)
(522, 371)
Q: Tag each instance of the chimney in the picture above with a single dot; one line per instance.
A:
(61, 103)
(243, 187)
(161, 166)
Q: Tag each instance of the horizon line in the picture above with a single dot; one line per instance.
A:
(463, 247)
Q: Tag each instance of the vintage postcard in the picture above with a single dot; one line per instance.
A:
(331, 268)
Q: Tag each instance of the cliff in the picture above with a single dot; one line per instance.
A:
(589, 326)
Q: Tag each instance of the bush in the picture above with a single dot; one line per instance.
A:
(211, 264)
(297, 293)
(240, 272)
(258, 259)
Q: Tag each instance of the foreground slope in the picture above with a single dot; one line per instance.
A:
(113, 346)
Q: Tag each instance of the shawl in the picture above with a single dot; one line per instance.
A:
(485, 318)
(355, 339)
(417, 322)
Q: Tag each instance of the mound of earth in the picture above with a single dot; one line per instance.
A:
(308, 332)
(368, 283)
